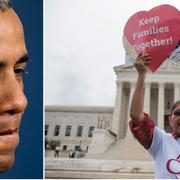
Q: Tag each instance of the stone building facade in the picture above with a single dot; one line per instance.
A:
(73, 125)
(110, 124)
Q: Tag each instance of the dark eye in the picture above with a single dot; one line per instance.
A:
(19, 71)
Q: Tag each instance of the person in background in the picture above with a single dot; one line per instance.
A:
(13, 60)
(163, 147)
(57, 149)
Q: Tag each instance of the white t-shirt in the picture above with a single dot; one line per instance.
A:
(165, 150)
(57, 148)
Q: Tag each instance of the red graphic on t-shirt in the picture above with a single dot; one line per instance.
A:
(173, 166)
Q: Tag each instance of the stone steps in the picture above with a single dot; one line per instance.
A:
(94, 168)
(50, 174)
(124, 149)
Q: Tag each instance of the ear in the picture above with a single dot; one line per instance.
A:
(170, 120)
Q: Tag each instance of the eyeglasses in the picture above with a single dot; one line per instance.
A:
(176, 112)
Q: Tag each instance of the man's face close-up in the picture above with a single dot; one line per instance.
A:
(13, 59)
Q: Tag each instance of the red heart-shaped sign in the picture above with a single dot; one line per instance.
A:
(156, 32)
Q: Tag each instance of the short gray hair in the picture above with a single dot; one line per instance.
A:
(5, 4)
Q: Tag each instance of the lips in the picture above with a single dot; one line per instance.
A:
(9, 137)
(9, 140)
(8, 132)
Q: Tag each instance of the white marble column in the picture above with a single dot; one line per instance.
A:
(117, 120)
(160, 120)
(147, 94)
(176, 92)
(132, 89)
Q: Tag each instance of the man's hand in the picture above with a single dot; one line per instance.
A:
(141, 63)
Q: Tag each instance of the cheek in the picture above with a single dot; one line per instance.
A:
(172, 122)
(21, 82)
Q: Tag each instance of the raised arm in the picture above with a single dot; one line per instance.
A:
(136, 109)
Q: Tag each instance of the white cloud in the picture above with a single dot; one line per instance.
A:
(82, 44)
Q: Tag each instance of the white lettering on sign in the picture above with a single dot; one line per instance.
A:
(152, 30)
(151, 20)
(153, 43)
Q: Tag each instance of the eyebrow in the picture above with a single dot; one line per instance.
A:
(23, 59)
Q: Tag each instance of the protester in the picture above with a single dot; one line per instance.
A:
(163, 147)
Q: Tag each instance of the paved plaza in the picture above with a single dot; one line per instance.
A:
(96, 169)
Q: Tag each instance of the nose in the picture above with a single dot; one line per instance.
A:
(12, 97)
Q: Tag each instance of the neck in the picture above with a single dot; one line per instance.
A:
(175, 135)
